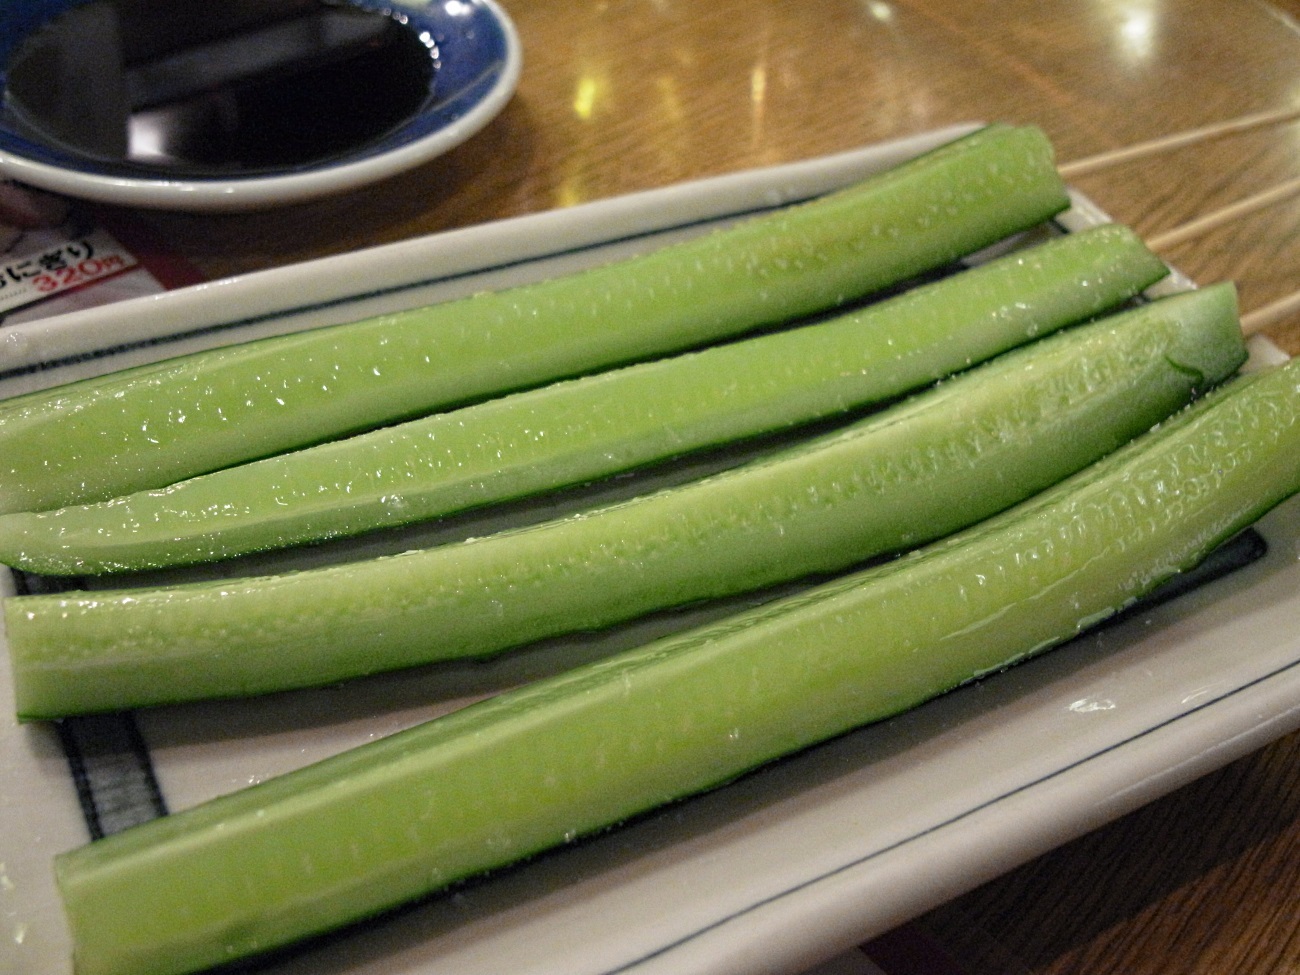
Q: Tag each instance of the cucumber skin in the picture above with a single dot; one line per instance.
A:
(596, 426)
(971, 447)
(154, 425)
(540, 766)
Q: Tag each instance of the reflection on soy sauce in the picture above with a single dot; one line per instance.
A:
(217, 87)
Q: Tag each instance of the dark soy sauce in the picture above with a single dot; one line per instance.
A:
(217, 87)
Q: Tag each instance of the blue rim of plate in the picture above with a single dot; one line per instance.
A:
(479, 61)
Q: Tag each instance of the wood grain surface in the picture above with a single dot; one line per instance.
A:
(623, 95)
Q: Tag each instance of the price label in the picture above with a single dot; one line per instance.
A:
(59, 266)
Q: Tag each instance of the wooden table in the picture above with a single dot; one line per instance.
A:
(622, 95)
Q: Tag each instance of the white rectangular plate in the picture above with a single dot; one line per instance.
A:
(773, 873)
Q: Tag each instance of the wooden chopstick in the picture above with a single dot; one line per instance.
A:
(1265, 316)
(1168, 143)
(1217, 218)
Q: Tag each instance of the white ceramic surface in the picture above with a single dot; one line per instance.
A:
(774, 873)
(480, 61)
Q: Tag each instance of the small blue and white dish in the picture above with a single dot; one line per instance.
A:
(246, 104)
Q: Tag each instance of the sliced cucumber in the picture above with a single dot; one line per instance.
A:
(534, 768)
(587, 428)
(973, 446)
(152, 426)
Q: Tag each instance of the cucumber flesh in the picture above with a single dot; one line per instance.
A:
(154, 425)
(587, 428)
(534, 768)
(968, 448)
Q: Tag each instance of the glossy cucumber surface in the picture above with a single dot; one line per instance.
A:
(595, 426)
(154, 425)
(535, 768)
(972, 446)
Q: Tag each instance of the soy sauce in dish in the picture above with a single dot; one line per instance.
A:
(217, 87)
